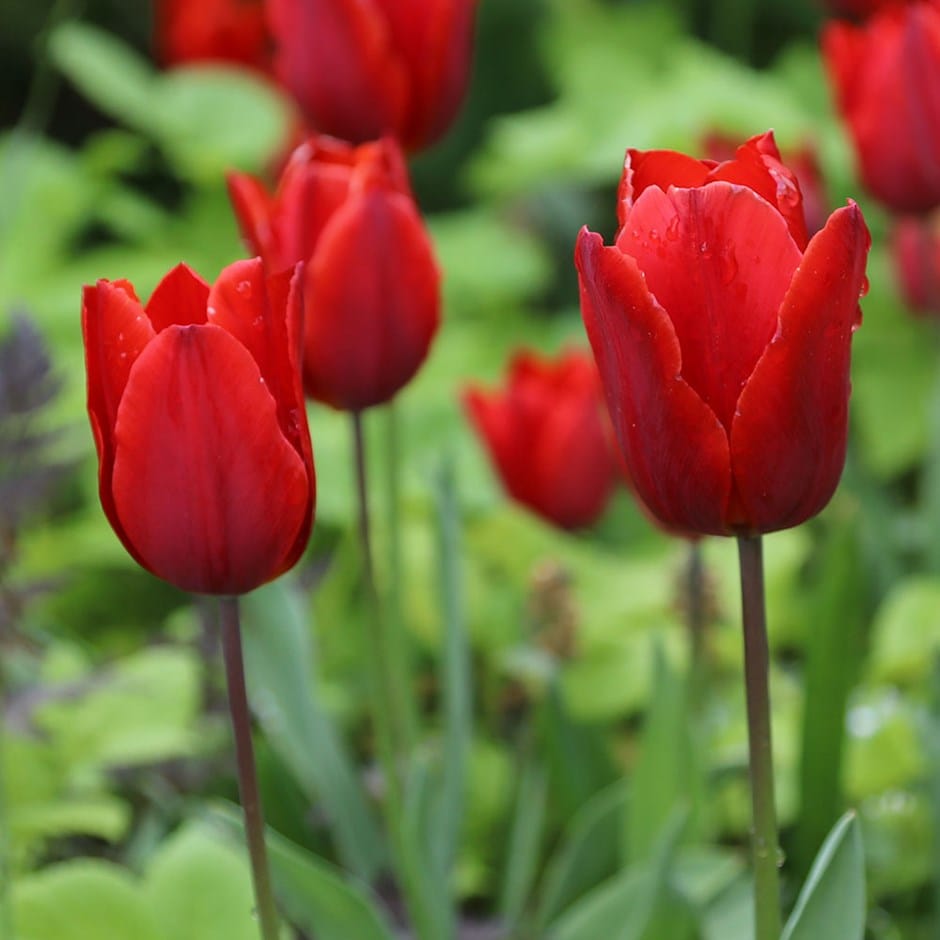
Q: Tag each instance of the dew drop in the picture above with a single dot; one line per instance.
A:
(865, 286)
(244, 288)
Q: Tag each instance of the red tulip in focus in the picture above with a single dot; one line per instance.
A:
(205, 468)
(886, 75)
(363, 68)
(371, 295)
(723, 339)
(915, 245)
(548, 437)
(212, 31)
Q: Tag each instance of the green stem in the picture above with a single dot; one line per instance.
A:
(400, 657)
(384, 707)
(756, 677)
(247, 775)
(6, 867)
(697, 615)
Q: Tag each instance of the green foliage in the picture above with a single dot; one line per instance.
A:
(832, 902)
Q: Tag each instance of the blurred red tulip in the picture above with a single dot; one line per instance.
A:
(548, 438)
(915, 246)
(212, 31)
(360, 69)
(859, 9)
(205, 467)
(723, 339)
(371, 284)
(886, 76)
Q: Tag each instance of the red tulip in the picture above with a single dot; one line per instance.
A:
(723, 339)
(212, 31)
(371, 292)
(886, 75)
(363, 68)
(205, 468)
(915, 245)
(547, 437)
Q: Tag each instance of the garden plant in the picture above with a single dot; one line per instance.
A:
(470, 470)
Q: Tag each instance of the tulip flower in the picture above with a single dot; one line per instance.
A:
(371, 293)
(915, 246)
(548, 437)
(723, 338)
(205, 466)
(363, 68)
(212, 31)
(885, 74)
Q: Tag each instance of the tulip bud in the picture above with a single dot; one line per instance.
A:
(205, 469)
(371, 295)
(547, 437)
(363, 68)
(885, 74)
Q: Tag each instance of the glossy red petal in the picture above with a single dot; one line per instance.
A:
(207, 488)
(179, 299)
(674, 446)
(264, 314)
(336, 58)
(758, 166)
(788, 438)
(719, 260)
(371, 302)
(116, 331)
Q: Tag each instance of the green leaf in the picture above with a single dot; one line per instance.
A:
(627, 905)
(832, 902)
(200, 888)
(317, 897)
(664, 776)
(206, 118)
(280, 665)
(81, 899)
(525, 839)
(107, 71)
(587, 854)
(142, 709)
(839, 617)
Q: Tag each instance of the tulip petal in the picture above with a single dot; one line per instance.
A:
(674, 446)
(253, 206)
(265, 315)
(719, 260)
(788, 438)
(371, 302)
(336, 58)
(116, 331)
(179, 299)
(207, 488)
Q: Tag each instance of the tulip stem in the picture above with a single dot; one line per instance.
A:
(384, 711)
(247, 775)
(756, 676)
(400, 662)
(697, 613)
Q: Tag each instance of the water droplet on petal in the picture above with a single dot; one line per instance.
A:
(865, 286)
(244, 288)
